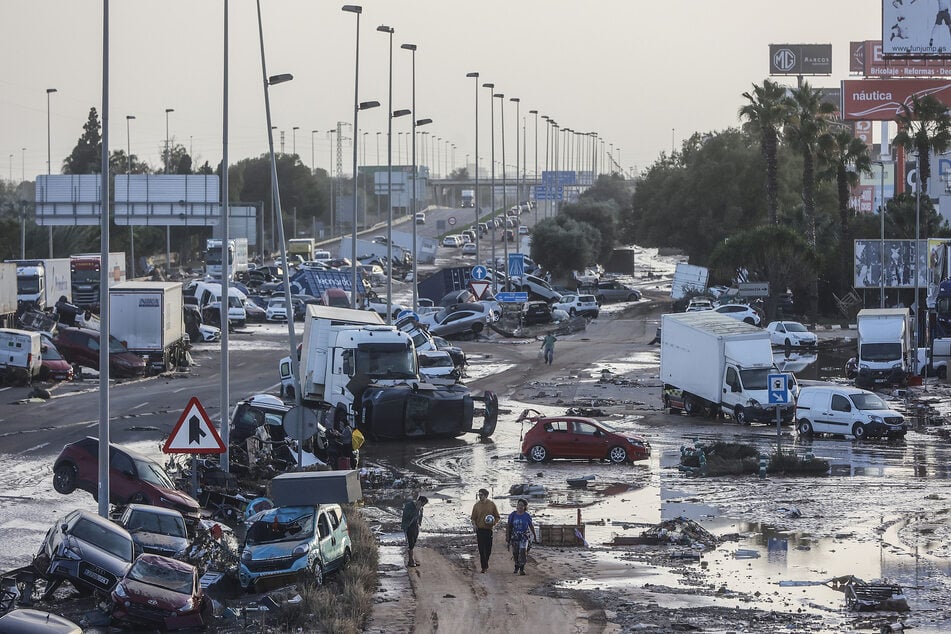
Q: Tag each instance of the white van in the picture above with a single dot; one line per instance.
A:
(20, 357)
(320, 254)
(207, 293)
(835, 409)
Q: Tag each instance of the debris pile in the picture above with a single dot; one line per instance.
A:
(680, 531)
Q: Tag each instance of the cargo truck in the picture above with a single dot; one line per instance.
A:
(354, 368)
(85, 277)
(41, 283)
(715, 365)
(148, 318)
(237, 258)
(468, 198)
(8, 294)
(304, 247)
(884, 347)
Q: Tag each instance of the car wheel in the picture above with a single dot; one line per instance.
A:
(317, 570)
(788, 343)
(749, 320)
(289, 392)
(691, 407)
(805, 428)
(739, 415)
(538, 453)
(859, 431)
(477, 327)
(138, 498)
(64, 479)
(617, 455)
(572, 312)
(632, 297)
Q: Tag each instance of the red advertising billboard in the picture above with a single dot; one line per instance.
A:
(881, 99)
(868, 58)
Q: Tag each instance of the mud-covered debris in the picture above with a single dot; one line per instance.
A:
(682, 531)
(527, 489)
(589, 412)
(861, 596)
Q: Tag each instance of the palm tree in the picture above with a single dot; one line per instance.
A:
(807, 122)
(844, 158)
(765, 114)
(922, 127)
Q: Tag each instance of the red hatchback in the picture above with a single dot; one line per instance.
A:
(579, 438)
(161, 592)
(133, 478)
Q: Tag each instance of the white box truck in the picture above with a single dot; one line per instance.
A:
(147, 317)
(885, 352)
(715, 365)
(237, 258)
(43, 282)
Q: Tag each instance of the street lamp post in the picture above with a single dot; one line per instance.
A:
(357, 10)
(313, 167)
(475, 198)
(535, 172)
(49, 159)
(294, 139)
(389, 179)
(916, 268)
(518, 192)
(128, 151)
(168, 227)
(505, 242)
(881, 212)
(330, 173)
(412, 49)
(491, 87)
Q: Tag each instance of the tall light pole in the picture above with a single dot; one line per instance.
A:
(389, 178)
(518, 193)
(128, 151)
(313, 166)
(168, 227)
(357, 10)
(505, 241)
(535, 172)
(294, 139)
(495, 282)
(916, 268)
(330, 172)
(412, 49)
(881, 212)
(547, 165)
(475, 198)
(49, 159)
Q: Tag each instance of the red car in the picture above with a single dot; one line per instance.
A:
(81, 346)
(579, 438)
(133, 478)
(161, 592)
(54, 367)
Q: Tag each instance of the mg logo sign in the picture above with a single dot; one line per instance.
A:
(784, 60)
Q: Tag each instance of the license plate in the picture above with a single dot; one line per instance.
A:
(95, 577)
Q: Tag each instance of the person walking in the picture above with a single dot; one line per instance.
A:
(485, 517)
(548, 346)
(412, 519)
(519, 534)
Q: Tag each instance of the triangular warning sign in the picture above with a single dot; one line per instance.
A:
(478, 288)
(194, 433)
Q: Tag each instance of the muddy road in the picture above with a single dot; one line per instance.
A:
(882, 513)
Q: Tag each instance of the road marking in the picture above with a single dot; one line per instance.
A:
(181, 389)
(33, 448)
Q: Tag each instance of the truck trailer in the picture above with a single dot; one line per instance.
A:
(85, 275)
(715, 365)
(42, 283)
(148, 318)
(355, 369)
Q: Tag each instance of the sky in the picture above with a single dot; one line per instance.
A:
(643, 74)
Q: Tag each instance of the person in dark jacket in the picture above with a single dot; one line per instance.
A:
(412, 519)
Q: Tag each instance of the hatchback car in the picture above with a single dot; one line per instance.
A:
(89, 551)
(742, 312)
(699, 304)
(789, 334)
(155, 529)
(585, 305)
(163, 593)
(133, 478)
(458, 320)
(290, 541)
(54, 367)
(277, 309)
(80, 346)
(575, 437)
(469, 248)
(453, 240)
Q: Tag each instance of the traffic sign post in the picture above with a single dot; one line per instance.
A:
(479, 272)
(512, 298)
(199, 436)
(478, 288)
(516, 265)
(778, 395)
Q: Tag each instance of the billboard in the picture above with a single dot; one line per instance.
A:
(867, 58)
(915, 29)
(899, 264)
(800, 59)
(881, 99)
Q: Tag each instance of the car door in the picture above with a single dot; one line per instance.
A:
(327, 541)
(121, 484)
(732, 389)
(839, 415)
(588, 441)
(558, 438)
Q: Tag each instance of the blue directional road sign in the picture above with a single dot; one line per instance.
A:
(512, 298)
(549, 192)
(407, 313)
(479, 272)
(516, 264)
(778, 389)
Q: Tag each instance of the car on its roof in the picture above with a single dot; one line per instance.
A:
(133, 477)
(579, 438)
(161, 593)
(89, 551)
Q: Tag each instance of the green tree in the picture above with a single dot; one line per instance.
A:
(765, 115)
(86, 157)
(923, 127)
(602, 217)
(843, 158)
(768, 253)
(562, 245)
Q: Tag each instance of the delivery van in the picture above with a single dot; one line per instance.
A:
(20, 357)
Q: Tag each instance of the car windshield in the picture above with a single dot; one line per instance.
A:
(144, 570)
(115, 346)
(270, 531)
(51, 354)
(151, 472)
(794, 326)
(386, 361)
(880, 351)
(867, 400)
(277, 303)
(435, 361)
(161, 523)
(755, 379)
(100, 536)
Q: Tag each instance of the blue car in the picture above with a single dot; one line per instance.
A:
(289, 542)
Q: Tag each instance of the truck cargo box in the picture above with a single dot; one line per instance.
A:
(312, 488)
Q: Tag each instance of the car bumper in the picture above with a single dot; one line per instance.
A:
(260, 570)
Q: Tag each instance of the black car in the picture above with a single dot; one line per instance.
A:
(536, 313)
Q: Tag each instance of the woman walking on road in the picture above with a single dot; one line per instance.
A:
(485, 517)
(520, 534)
(412, 518)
